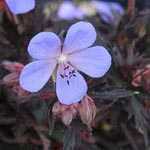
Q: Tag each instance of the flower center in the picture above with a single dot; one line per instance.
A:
(62, 58)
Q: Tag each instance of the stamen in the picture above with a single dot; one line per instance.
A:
(62, 58)
(67, 73)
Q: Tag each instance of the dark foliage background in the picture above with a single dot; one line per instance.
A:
(123, 110)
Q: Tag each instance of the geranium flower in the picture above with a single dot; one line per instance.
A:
(20, 6)
(110, 12)
(68, 58)
(68, 11)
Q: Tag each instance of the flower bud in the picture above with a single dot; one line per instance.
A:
(67, 117)
(12, 79)
(87, 110)
(65, 112)
(141, 78)
(12, 66)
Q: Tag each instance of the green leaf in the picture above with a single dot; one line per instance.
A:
(140, 118)
(39, 111)
(69, 140)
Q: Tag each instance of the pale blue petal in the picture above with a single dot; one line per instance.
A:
(67, 11)
(44, 45)
(36, 74)
(70, 87)
(20, 6)
(94, 61)
(79, 13)
(109, 11)
(104, 9)
(117, 8)
(79, 36)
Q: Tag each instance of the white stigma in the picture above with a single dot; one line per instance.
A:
(62, 58)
